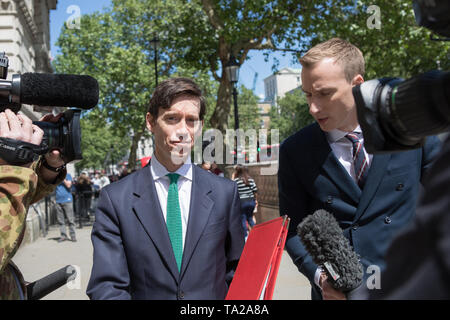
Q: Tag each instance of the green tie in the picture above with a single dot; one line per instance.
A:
(173, 219)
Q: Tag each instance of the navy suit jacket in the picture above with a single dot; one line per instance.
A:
(133, 256)
(310, 177)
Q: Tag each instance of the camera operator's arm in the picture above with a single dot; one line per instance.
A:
(19, 187)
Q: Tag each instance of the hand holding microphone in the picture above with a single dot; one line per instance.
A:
(325, 242)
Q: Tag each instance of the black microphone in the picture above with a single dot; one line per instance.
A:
(42, 287)
(47, 89)
(330, 249)
(64, 90)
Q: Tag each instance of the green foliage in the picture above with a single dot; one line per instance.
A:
(96, 144)
(291, 115)
(399, 48)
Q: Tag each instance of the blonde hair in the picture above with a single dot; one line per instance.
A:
(343, 52)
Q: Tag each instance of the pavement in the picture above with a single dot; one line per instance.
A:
(44, 256)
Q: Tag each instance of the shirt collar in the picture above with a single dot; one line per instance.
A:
(336, 135)
(159, 171)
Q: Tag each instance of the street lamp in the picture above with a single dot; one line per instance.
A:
(232, 70)
(112, 160)
(155, 42)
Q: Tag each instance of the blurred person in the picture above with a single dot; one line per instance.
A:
(84, 191)
(248, 194)
(216, 170)
(206, 165)
(325, 166)
(21, 186)
(144, 247)
(64, 209)
(104, 181)
(124, 173)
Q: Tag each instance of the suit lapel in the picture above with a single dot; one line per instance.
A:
(334, 169)
(199, 212)
(376, 172)
(148, 210)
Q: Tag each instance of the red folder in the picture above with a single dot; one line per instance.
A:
(258, 266)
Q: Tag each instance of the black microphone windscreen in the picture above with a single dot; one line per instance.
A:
(325, 242)
(59, 90)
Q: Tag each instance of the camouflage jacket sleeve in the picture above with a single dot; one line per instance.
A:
(17, 187)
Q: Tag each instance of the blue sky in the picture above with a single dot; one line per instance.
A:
(247, 72)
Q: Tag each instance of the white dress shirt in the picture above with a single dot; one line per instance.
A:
(162, 182)
(343, 150)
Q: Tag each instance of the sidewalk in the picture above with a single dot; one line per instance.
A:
(46, 255)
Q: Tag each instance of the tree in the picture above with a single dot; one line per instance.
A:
(291, 114)
(105, 48)
(197, 38)
(96, 145)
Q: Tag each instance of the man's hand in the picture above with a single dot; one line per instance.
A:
(53, 157)
(19, 127)
(328, 292)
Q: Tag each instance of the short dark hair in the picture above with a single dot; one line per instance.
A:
(168, 90)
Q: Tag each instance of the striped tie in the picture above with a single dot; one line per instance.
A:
(173, 219)
(359, 159)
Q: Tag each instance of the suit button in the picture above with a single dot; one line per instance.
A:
(387, 220)
(355, 227)
(330, 200)
(181, 295)
(399, 187)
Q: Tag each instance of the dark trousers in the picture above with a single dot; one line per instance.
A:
(247, 207)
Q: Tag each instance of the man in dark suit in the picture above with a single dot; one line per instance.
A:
(325, 166)
(170, 230)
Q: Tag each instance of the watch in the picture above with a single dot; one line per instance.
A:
(46, 165)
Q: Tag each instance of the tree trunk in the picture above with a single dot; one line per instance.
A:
(219, 119)
(134, 145)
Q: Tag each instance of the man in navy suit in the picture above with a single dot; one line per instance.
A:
(325, 166)
(170, 230)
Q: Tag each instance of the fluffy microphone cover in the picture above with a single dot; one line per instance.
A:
(64, 90)
(325, 242)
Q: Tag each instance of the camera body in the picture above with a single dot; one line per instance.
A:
(397, 114)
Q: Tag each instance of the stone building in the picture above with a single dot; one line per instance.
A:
(278, 84)
(25, 38)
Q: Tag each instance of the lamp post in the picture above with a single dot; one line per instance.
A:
(112, 160)
(155, 42)
(232, 70)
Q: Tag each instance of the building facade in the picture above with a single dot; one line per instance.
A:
(278, 84)
(25, 38)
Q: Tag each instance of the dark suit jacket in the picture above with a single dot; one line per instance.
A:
(418, 261)
(133, 256)
(310, 177)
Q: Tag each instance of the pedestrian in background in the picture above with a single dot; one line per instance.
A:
(64, 209)
(247, 193)
(84, 191)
